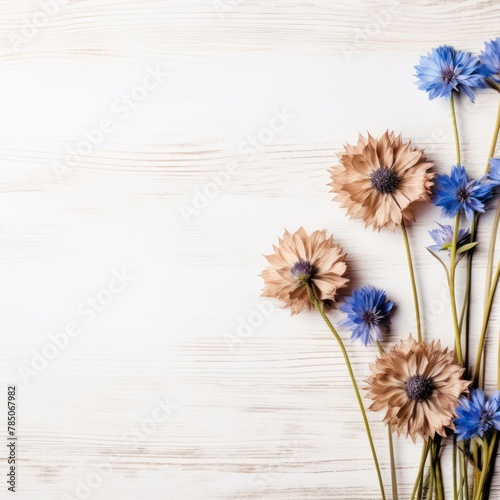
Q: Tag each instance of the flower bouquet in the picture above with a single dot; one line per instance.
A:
(426, 391)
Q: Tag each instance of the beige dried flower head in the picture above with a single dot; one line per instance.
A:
(378, 180)
(301, 260)
(419, 385)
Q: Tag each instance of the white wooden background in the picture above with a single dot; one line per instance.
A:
(165, 393)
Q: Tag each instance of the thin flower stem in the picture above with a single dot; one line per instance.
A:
(453, 259)
(464, 316)
(464, 483)
(432, 471)
(492, 454)
(461, 476)
(466, 477)
(319, 307)
(491, 250)
(458, 343)
(413, 281)
(394, 479)
(470, 254)
(420, 473)
(475, 472)
(496, 221)
(494, 139)
(455, 128)
(498, 364)
(455, 451)
(484, 471)
(436, 444)
(484, 327)
(439, 480)
(491, 253)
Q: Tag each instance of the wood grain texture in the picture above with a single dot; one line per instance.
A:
(187, 384)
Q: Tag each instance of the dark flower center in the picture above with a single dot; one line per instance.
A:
(448, 75)
(463, 194)
(302, 270)
(419, 388)
(370, 317)
(384, 180)
(485, 419)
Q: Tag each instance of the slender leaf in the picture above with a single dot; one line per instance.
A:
(468, 246)
(438, 258)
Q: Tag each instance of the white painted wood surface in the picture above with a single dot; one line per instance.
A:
(255, 412)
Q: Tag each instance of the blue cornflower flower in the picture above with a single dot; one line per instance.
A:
(456, 193)
(367, 313)
(443, 237)
(494, 173)
(445, 70)
(475, 416)
(490, 59)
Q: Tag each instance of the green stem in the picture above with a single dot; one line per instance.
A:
(484, 327)
(498, 365)
(455, 128)
(436, 444)
(478, 494)
(475, 472)
(464, 316)
(439, 481)
(413, 281)
(319, 307)
(466, 476)
(494, 139)
(420, 473)
(470, 253)
(455, 451)
(492, 455)
(453, 259)
(432, 471)
(461, 482)
(494, 229)
(491, 253)
(394, 480)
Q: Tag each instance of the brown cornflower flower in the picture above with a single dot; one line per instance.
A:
(378, 180)
(419, 385)
(301, 260)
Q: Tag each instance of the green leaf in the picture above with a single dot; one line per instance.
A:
(426, 491)
(467, 247)
(438, 258)
(492, 84)
(469, 458)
